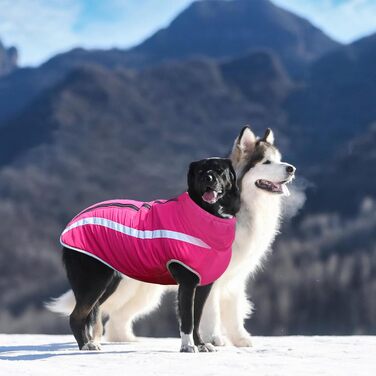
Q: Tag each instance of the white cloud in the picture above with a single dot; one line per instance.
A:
(37, 27)
(42, 28)
(343, 20)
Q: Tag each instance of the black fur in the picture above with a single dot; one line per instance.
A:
(223, 174)
(191, 302)
(93, 282)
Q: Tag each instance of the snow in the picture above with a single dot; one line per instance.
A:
(58, 355)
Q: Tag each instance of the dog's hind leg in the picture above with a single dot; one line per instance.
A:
(79, 325)
(85, 320)
(89, 280)
(145, 299)
(94, 325)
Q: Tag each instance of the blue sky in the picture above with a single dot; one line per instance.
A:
(42, 28)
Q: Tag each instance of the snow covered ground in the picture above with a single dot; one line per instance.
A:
(58, 355)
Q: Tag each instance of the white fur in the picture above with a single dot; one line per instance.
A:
(63, 305)
(132, 300)
(187, 343)
(227, 306)
(247, 141)
(187, 339)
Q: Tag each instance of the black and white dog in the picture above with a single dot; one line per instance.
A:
(212, 190)
(262, 180)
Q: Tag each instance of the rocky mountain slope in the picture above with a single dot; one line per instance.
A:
(8, 59)
(223, 29)
(87, 126)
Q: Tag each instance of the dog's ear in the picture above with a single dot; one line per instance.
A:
(244, 145)
(246, 140)
(191, 174)
(233, 195)
(232, 172)
(269, 136)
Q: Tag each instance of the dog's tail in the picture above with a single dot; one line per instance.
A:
(64, 304)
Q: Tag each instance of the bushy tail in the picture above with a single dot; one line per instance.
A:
(64, 304)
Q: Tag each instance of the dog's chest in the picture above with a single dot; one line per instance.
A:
(255, 232)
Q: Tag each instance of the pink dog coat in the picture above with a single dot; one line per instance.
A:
(140, 239)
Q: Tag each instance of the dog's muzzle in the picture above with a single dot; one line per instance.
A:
(213, 189)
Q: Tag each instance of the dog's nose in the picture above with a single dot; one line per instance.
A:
(290, 169)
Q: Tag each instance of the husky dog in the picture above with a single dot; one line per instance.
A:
(262, 179)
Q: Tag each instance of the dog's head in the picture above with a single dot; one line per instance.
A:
(212, 185)
(258, 164)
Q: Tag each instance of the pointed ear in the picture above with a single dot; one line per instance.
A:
(244, 145)
(269, 136)
(246, 140)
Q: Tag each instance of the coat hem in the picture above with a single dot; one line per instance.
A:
(89, 254)
(186, 266)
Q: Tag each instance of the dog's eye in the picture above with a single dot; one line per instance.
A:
(267, 162)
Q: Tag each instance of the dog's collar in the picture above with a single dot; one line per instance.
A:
(186, 200)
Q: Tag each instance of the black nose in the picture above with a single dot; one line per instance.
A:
(290, 169)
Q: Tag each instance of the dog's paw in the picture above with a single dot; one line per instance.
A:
(244, 341)
(206, 347)
(131, 338)
(219, 340)
(188, 349)
(91, 346)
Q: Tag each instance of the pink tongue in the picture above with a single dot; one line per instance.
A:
(210, 197)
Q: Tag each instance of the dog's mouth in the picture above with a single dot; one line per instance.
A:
(211, 195)
(277, 188)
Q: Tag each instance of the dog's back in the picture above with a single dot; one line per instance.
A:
(141, 239)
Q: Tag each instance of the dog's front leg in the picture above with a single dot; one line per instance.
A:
(202, 293)
(187, 282)
(211, 318)
(185, 303)
(235, 309)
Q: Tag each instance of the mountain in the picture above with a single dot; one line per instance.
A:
(180, 100)
(217, 29)
(336, 101)
(102, 133)
(21, 87)
(87, 126)
(260, 76)
(8, 59)
(225, 29)
(350, 174)
(322, 269)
